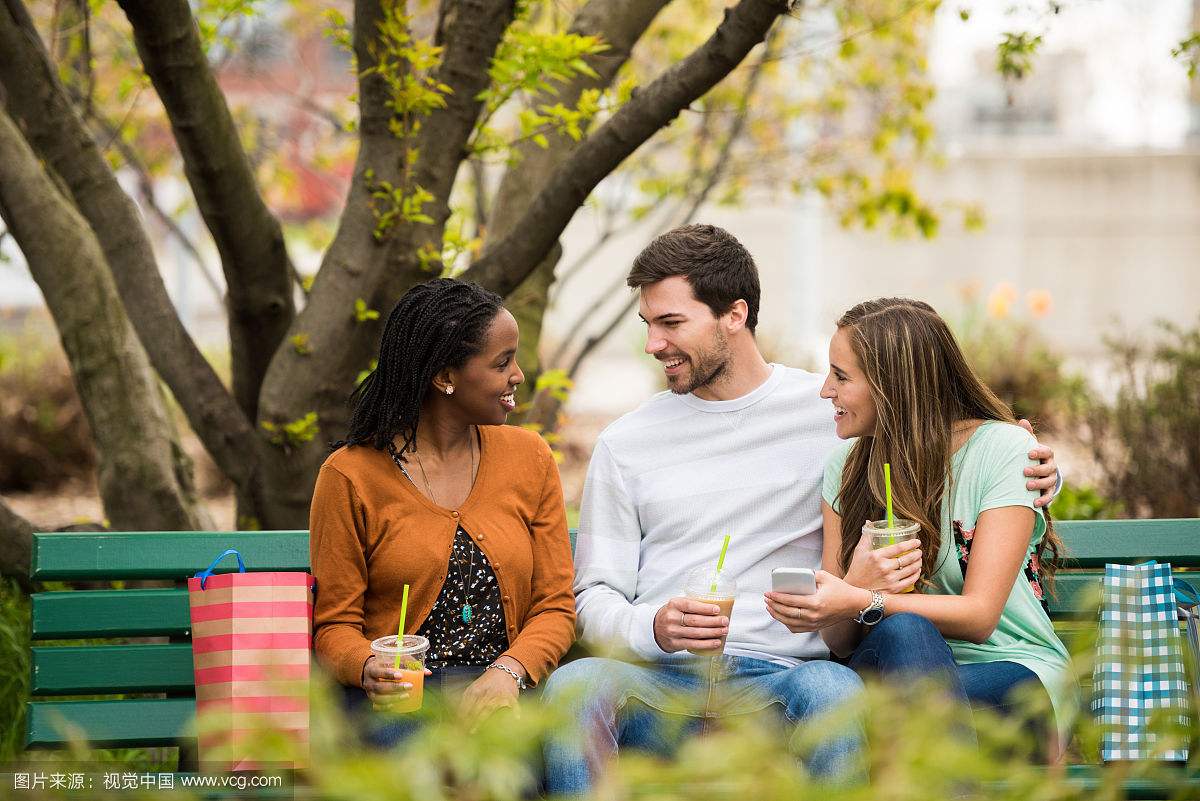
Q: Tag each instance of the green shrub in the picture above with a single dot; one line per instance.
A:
(46, 438)
(1010, 355)
(14, 667)
(1146, 441)
(1084, 503)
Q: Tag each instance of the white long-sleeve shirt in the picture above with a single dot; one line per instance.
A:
(670, 479)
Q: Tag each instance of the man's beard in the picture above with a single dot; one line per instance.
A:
(708, 366)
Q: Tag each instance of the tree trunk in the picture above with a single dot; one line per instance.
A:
(528, 305)
(37, 101)
(139, 458)
(248, 237)
(16, 545)
(359, 265)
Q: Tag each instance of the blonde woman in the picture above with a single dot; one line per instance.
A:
(904, 394)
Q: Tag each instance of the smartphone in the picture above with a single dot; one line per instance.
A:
(794, 580)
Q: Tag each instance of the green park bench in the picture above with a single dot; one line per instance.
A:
(153, 679)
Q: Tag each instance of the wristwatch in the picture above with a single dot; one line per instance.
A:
(517, 677)
(874, 611)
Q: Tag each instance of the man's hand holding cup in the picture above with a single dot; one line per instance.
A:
(685, 624)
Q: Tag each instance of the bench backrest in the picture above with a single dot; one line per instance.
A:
(162, 665)
(159, 659)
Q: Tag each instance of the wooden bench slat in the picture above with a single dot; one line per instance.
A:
(161, 554)
(105, 669)
(1092, 777)
(1092, 543)
(110, 613)
(109, 724)
(1076, 593)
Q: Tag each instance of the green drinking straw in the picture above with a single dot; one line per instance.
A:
(400, 633)
(720, 562)
(887, 485)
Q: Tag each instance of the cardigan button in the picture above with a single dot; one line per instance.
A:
(454, 514)
(506, 598)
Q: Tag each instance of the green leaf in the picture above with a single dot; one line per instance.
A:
(293, 433)
(1015, 53)
(362, 313)
(300, 344)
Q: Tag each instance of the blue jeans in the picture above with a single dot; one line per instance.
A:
(620, 704)
(906, 645)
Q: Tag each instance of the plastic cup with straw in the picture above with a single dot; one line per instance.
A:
(708, 586)
(406, 653)
(896, 530)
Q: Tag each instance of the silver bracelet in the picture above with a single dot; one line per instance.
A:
(521, 685)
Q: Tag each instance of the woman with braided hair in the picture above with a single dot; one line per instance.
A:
(432, 490)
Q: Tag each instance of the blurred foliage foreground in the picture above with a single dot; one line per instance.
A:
(920, 748)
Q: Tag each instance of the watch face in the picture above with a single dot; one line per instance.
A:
(872, 616)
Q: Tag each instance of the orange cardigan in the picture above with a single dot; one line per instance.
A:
(372, 532)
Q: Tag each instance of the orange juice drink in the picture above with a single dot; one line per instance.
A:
(408, 657)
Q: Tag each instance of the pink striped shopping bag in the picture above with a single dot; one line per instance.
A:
(251, 645)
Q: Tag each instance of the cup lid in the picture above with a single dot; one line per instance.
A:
(701, 580)
(897, 523)
(413, 643)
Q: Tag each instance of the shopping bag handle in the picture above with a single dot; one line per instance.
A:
(1185, 593)
(204, 574)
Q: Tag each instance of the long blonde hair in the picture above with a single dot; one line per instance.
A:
(922, 386)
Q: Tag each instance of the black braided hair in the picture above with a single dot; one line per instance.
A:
(436, 325)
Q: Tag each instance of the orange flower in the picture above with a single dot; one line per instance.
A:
(1000, 301)
(1040, 302)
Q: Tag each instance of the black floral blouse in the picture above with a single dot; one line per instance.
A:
(466, 629)
(1031, 569)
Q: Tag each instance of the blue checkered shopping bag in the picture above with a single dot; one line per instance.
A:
(1140, 675)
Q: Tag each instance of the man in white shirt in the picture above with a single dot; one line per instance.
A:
(737, 447)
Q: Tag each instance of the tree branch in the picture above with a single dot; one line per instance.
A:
(619, 24)
(146, 188)
(580, 325)
(547, 408)
(248, 237)
(613, 223)
(479, 194)
(358, 265)
(72, 46)
(16, 545)
(470, 30)
(120, 394)
(508, 261)
(37, 100)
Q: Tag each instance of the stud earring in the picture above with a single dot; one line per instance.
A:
(450, 390)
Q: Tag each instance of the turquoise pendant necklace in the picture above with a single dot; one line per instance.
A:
(467, 612)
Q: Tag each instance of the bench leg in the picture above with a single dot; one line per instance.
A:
(189, 757)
